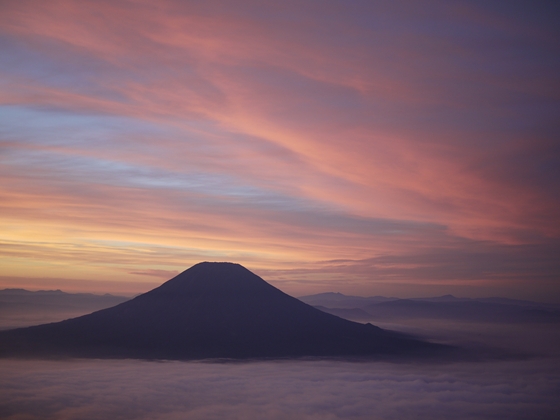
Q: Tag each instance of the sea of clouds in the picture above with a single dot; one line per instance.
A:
(300, 389)
(514, 374)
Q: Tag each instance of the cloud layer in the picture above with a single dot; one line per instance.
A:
(278, 390)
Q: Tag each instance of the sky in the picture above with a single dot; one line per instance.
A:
(396, 148)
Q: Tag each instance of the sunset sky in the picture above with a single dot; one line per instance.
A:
(395, 148)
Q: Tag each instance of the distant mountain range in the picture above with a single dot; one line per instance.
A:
(21, 308)
(212, 310)
(379, 308)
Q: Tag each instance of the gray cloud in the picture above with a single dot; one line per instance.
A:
(529, 270)
(278, 390)
(166, 274)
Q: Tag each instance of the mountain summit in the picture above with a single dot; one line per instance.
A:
(211, 310)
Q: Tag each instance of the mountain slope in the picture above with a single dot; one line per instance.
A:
(212, 310)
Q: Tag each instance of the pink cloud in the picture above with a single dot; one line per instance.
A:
(281, 134)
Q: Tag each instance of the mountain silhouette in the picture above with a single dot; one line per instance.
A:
(211, 310)
(23, 308)
(447, 307)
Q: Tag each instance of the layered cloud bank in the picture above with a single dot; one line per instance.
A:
(391, 145)
(278, 390)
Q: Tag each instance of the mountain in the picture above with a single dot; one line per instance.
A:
(446, 307)
(211, 310)
(340, 301)
(22, 308)
(470, 310)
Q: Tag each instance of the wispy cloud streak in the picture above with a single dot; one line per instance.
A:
(279, 136)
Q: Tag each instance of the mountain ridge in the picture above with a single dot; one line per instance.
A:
(441, 307)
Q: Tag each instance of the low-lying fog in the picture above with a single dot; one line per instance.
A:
(128, 389)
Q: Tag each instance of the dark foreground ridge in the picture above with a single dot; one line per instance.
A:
(211, 310)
